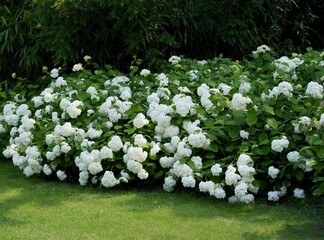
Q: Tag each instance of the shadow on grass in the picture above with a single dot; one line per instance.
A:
(18, 191)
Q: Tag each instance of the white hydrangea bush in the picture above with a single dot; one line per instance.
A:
(230, 129)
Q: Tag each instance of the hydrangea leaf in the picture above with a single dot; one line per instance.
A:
(272, 123)
(251, 117)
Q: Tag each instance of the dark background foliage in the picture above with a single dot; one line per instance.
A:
(60, 32)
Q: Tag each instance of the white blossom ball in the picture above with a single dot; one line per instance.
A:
(273, 172)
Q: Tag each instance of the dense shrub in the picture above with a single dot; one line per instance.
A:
(35, 33)
(225, 127)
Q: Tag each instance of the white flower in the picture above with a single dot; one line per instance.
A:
(315, 90)
(48, 97)
(244, 134)
(142, 174)
(278, 145)
(92, 91)
(169, 184)
(67, 129)
(284, 88)
(134, 166)
(224, 88)
(113, 115)
(197, 161)
(192, 75)
(216, 169)
(248, 198)
(61, 175)
(188, 181)
(181, 170)
(137, 154)
(106, 152)
(231, 178)
(77, 67)
(219, 192)
(261, 49)
(47, 170)
(192, 127)
(22, 110)
(321, 121)
(155, 149)
(28, 171)
(115, 144)
(38, 101)
(139, 140)
(241, 189)
(174, 60)
(239, 102)
(273, 172)
(287, 65)
(202, 62)
(65, 148)
(109, 179)
(93, 133)
(198, 140)
(83, 177)
(244, 87)
(244, 159)
(166, 162)
(208, 186)
(54, 73)
(273, 196)
(299, 193)
(246, 171)
(86, 58)
(125, 176)
(293, 156)
(183, 104)
(126, 94)
(95, 167)
(72, 109)
(145, 72)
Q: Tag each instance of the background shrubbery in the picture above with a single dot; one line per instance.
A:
(55, 32)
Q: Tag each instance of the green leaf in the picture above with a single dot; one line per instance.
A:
(264, 150)
(251, 117)
(230, 148)
(272, 123)
(315, 140)
(214, 147)
(299, 175)
(320, 153)
(279, 113)
(319, 191)
(159, 174)
(244, 147)
(3, 94)
(234, 131)
(210, 155)
(120, 166)
(209, 123)
(209, 163)
(263, 139)
(130, 130)
(83, 96)
(269, 109)
(318, 179)
(256, 183)
(266, 163)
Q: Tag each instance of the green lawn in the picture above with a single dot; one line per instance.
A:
(32, 208)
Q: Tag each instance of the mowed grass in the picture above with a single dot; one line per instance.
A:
(33, 208)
